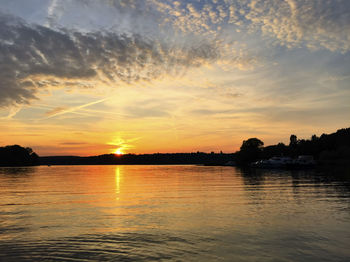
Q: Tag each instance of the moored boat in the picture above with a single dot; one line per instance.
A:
(304, 161)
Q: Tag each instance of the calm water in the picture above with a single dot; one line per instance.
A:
(179, 213)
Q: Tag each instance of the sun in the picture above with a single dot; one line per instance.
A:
(118, 152)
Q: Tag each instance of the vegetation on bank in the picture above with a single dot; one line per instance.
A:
(327, 149)
(18, 156)
(142, 159)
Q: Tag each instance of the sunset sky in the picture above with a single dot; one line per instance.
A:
(88, 77)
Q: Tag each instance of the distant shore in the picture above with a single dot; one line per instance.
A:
(198, 158)
(328, 149)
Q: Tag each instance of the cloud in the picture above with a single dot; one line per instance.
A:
(314, 24)
(73, 144)
(55, 110)
(122, 144)
(12, 112)
(292, 23)
(141, 112)
(35, 57)
(112, 42)
(63, 110)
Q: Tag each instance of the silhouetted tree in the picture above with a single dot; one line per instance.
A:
(293, 140)
(252, 144)
(314, 138)
(18, 156)
(275, 150)
(330, 149)
(250, 151)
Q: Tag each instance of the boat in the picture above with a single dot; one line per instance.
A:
(274, 162)
(303, 161)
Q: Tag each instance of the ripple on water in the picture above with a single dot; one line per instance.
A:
(178, 213)
(116, 247)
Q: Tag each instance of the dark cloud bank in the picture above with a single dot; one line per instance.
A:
(28, 50)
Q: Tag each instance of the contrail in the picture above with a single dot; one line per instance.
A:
(13, 111)
(72, 109)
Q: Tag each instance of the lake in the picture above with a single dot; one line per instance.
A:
(172, 213)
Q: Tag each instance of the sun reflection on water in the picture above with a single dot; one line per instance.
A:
(117, 182)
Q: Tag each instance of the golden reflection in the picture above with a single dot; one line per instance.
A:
(117, 182)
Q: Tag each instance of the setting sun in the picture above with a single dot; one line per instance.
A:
(175, 130)
(118, 152)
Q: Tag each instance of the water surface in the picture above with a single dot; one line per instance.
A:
(175, 213)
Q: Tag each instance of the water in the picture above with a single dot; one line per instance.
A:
(172, 213)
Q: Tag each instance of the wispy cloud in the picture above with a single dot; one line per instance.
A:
(62, 110)
(121, 144)
(13, 110)
(55, 110)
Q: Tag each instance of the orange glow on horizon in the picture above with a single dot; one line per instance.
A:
(118, 152)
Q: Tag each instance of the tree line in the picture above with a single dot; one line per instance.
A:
(142, 159)
(327, 149)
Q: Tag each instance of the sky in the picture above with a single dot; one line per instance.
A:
(89, 77)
